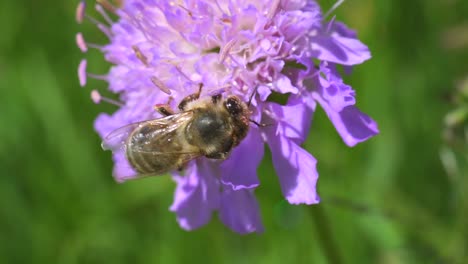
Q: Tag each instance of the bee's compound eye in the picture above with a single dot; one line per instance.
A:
(233, 105)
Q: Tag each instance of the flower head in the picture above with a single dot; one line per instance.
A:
(163, 50)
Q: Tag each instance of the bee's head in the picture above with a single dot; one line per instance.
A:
(234, 106)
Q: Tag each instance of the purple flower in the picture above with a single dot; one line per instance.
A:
(248, 48)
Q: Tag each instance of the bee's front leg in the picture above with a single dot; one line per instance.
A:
(190, 98)
(165, 109)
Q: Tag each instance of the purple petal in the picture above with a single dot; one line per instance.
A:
(213, 73)
(294, 118)
(182, 49)
(352, 125)
(240, 212)
(123, 171)
(178, 19)
(283, 85)
(105, 123)
(337, 99)
(196, 196)
(296, 169)
(299, 4)
(248, 154)
(294, 23)
(340, 46)
(337, 95)
(263, 92)
(359, 126)
(341, 50)
(343, 30)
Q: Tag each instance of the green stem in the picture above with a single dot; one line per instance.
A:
(329, 247)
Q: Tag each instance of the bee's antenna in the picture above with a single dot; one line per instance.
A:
(251, 96)
(259, 124)
(248, 105)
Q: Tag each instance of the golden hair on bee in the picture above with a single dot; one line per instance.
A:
(210, 126)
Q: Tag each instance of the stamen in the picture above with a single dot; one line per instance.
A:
(80, 12)
(333, 8)
(273, 8)
(226, 20)
(97, 76)
(97, 98)
(330, 24)
(272, 115)
(92, 19)
(140, 55)
(105, 30)
(158, 83)
(299, 36)
(119, 3)
(95, 46)
(103, 13)
(212, 37)
(219, 90)
(315, 74)
(108, 6)
(135, 21)
(80, 42)
(188, 11)
(240, 65)
(220, 8)
(99, 25)
(225, 50)
(183, 74)
(275, 117)
(82, 72)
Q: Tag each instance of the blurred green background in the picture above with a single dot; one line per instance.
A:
(398, 198)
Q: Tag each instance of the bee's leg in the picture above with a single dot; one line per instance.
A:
(216, 98)
(190, 98)
(164, 109)
(181, 167)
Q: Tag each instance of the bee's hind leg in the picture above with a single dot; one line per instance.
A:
(182, 167)
(190, 98)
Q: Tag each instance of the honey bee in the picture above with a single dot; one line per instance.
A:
(211, 126)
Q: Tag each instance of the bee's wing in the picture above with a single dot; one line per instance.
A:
(145, 138)
(158, 128)
(116, 139)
